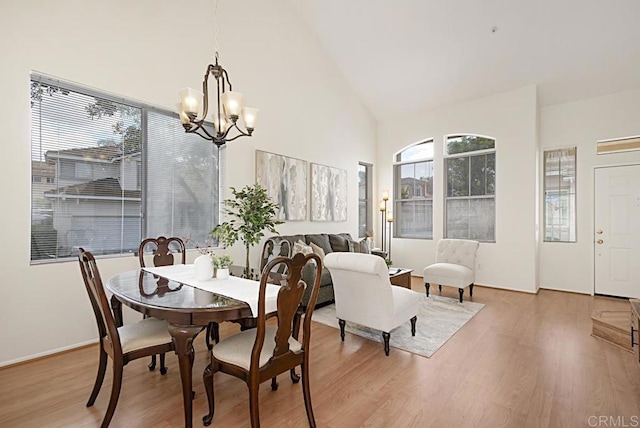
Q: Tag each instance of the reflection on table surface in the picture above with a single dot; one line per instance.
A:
(147, 289)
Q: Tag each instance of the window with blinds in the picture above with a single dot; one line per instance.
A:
(365, 220)
(560, 195)
(107, 172)
(470, 169)
(413, 191)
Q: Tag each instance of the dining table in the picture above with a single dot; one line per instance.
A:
(170, 293)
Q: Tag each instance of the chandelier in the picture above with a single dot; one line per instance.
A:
(194, 106)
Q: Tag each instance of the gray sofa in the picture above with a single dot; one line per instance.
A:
(283, 246)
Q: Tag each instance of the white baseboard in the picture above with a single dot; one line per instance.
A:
(585, 293)
(517, 290)
(47, 353)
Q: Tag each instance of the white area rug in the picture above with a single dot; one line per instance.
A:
(439, 318)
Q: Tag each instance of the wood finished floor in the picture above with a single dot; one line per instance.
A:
(523, 361)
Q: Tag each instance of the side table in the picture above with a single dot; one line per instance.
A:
(401, 277)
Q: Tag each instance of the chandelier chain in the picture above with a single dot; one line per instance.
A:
(215, 23)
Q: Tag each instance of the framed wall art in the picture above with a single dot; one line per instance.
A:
(328, 193)
(286, 182)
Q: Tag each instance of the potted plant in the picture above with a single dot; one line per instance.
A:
(221, 265)
(252, 213)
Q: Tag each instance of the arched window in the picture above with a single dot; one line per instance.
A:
(470, 177)
(413, 191)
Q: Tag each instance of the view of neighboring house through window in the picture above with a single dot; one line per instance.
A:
(365, 221)
(413, 191)
(470, 169)
(88, 151)
(560, 195)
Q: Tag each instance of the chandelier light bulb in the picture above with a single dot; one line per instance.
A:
(250, 116)
(190, 101)
(183, 116)
(232, 102)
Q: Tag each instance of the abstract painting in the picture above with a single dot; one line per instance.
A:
(328, 193)
(285, 179)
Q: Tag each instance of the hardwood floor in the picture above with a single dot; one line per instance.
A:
(523, 361)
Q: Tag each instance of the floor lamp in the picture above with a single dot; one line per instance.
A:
(383, 210)
(390, 221)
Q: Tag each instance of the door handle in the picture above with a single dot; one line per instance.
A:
(633, 330)
(600, 241)
(599, 232)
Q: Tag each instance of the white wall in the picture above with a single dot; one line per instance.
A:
(569, 266)
(143, 50)
(511, 118)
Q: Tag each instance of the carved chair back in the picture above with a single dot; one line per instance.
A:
(274, 247)
(289, 298)
(99, 302)
(162, 254)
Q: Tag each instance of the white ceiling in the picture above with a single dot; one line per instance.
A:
(407, 55)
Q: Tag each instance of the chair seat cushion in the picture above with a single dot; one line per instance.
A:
(236, 349)
(143, 334)
(448, 274)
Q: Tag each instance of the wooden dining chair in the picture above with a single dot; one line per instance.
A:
(164, 256)
(122, 344)
(264, 352)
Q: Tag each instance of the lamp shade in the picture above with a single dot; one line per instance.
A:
(250, 116)
(385, 195)
(232, 102)
(220, 125)
(183, 116)
(191, 101)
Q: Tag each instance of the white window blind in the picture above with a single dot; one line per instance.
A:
(413, 192)
(88, 156)
(470, 188)
(365, 221)
(182, 180)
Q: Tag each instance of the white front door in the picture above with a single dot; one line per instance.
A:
(617, 231)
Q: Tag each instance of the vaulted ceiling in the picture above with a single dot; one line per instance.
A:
(408, 55)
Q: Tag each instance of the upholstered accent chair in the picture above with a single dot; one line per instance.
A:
(455, 265)
(122, 344)
(262, 353)
(364, 294)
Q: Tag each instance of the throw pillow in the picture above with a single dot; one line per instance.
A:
(340, 241)
(316, 249)
(321, 240)
(361, 246)
(301, 247)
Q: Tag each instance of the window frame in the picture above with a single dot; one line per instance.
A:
(143, 167)
(469, 155)
(368, 200)
(574, 195)
(397, 166)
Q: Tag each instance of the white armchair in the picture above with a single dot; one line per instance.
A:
(364, 295)
(455, 265)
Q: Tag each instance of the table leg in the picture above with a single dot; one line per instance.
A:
(183, 336)
(116, 308)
